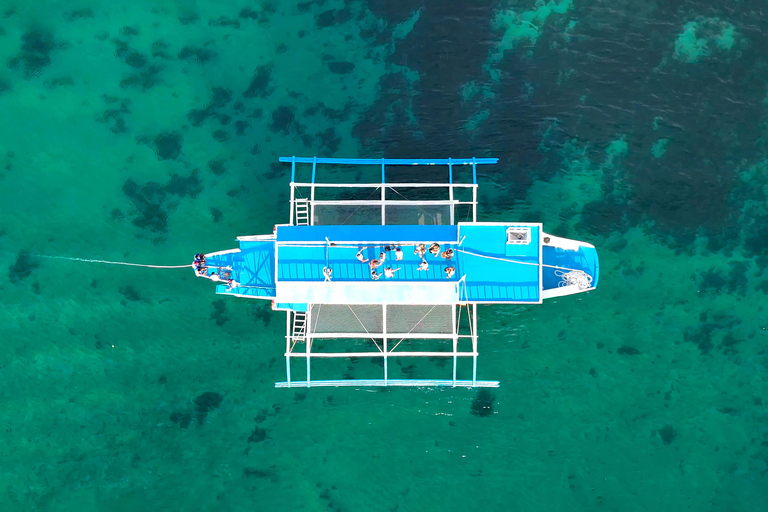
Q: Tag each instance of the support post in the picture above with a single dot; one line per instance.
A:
(474, 344)
(450, 189)
(292, 203)
(312, 194)
(383, 195)
(455, 341)
(308, 338)
(288, 329)
(384, 344)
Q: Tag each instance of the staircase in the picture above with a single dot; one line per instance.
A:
(302, 212)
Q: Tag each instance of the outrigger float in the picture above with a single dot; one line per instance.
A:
(352, 268)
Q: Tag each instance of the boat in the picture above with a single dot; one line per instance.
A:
(386, 259)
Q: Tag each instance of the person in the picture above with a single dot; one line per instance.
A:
(398, 254)
(447, 254)
(360, 257)
(231, 283)
(388, 248)
(424, 265)
(327, 272)
(215, 277)
(374, 275)
(389, 272)
(420, 250)
(382, 257)
(449, 271)
(202, 270)
(374, 264)
(434, 249)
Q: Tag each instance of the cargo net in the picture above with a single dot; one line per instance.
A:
(342, 214)
(411, 319)
(346, 318)
(369, 319)
(394, 214)
(418, 214)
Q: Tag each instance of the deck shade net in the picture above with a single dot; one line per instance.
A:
(394, 214)
(346, 318)
(410, 320)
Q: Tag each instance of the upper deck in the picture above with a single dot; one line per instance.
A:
(487, 267)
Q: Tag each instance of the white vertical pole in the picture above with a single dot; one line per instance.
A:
(288, 335)
(474, 343)
(383, 194)
(293, 195)
(307, 337)
(312, 195)
(384, 330)
(455, 341)
(450, 189)
(474, 204)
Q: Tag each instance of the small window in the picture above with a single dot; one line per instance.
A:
(519, 236)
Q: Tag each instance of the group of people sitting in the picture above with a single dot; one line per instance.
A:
(420, 251)
(224, 274)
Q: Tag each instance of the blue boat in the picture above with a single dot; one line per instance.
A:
(390, 269)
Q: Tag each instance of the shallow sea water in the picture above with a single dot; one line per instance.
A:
(148, 131)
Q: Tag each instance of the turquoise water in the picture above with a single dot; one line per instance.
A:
(149, 131)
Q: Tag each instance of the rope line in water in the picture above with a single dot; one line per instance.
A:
(111, 262)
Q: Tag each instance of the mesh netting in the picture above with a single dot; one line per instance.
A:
(335, 214)
(394, 214)
(423, 214)
(419, 319)
(343, 318)
(362, 319)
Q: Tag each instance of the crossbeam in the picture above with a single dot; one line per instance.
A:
(389, 161)
(388, 383)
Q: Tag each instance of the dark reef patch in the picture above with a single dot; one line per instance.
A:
(223, 21)
(183, 419)
(217, 166)
(23, 267)
(735, 282)
(150, 201)
(79, 14)
(482, 404)
(199, 55)
(341, 68)
(128, 55)
(260, 83)
(219, 313)
(130, 293)
(37, 46)
(282, 119)
(667, 434)
(144, 79)
(168, 145)
(115, 113)
(333, 17)
(626, 350)
(709, 330)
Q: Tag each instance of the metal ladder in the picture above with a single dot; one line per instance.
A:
(302, 212)
(299, 327)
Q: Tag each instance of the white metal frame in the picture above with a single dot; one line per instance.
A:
(383, 201)
(293, 350)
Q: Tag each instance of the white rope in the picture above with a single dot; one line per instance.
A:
(574, 277)
(111, 262)
(412, 328)
(366, 330)
(518, 262)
